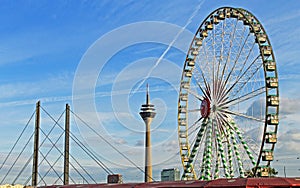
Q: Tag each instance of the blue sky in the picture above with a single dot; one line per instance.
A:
(43, 44)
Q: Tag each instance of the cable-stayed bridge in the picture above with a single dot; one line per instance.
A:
(55, 154)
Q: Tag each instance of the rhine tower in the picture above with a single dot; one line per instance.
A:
(148, 113)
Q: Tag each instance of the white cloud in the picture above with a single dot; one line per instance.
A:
(171, 146)
(59, 83)
(288, 142)
(295, 15)
(120, 141)
(289, 106)
(139, 143)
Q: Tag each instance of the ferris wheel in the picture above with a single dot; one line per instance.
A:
(229, 100)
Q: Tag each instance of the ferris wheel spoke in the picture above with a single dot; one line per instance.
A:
(226, 92)
(235, 62)
(243, 115)
(245, 97)
(223, 118)
(222, 50)
(220, 96)
(193, 126)
(195, 94)
(207, 66)
(219, 81)
(198, 76)
(247, 57)
(205, 91)
(194, 110)
(229, 55)
(219, 60)
(214, 57)
(206, 59)
(241, 48)
(240, 75)
(240, 87)
(253, 63)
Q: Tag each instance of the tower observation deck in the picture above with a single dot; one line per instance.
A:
(148, 113)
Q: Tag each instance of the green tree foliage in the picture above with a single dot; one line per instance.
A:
(271, 172)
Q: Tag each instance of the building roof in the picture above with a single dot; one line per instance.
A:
(238, 182)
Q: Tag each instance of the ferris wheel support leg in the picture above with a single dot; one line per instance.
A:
(207, 156)
(222, 154)
(236, 152)
(246, 147)
(189, 165)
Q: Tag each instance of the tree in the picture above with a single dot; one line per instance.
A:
(261, 172)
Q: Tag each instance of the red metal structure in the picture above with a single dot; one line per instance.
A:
(239, 182)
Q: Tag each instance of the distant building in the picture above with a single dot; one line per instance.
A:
(172, 174)
(115, 178)
(11, 186)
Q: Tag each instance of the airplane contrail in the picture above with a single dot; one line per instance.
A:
(169, 46)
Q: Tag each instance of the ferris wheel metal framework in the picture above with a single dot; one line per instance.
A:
(228, 94)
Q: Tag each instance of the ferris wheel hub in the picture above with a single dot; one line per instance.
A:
(214, 108)
(205, 108)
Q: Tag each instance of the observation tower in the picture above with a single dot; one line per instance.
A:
(147, 113)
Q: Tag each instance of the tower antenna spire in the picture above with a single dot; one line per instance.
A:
(147, 96)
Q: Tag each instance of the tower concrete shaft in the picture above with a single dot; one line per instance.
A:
(147, 113)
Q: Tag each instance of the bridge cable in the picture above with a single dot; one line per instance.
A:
(94, 157)
(17, 140)
(42, 178)
(28, 179)
(17, 158)
(61, 154)
(50, 168)
(55, 182)
(24, 167)
(82, 168)
(47, 136)
(32, 154)
(54, 146)
(74, 182)
(83, 147)
(123, 155)
(44, 157)
(91, 155)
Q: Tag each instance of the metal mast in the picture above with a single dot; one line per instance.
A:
(36, 145)
(147, 113)
(67, 146)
